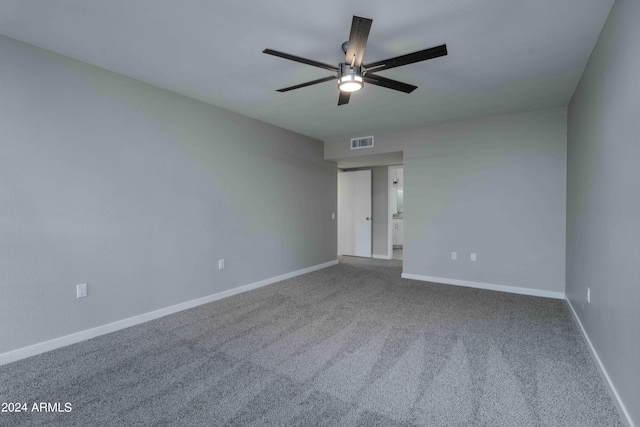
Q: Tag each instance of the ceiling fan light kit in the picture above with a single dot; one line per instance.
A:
(352, 73)
(350, 79)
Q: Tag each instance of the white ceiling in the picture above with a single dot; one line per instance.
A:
(504, 56)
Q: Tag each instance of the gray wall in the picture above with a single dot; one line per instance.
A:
(139, 191)
(493, 186)
(603, 201)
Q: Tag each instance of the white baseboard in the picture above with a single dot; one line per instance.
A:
(612, 390)
(489, 286)
(35, 349)
(376, 256)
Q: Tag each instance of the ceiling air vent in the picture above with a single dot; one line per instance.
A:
(364, 142)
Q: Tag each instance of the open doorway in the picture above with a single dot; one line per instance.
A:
(381, 222)
(395, 236)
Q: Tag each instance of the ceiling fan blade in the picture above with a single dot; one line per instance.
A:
(344, 98)
(388, 83)
(357, 40)
(300, 59)
(324, 79)
(409, 58)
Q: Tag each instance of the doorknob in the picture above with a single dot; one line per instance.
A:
(367, 218)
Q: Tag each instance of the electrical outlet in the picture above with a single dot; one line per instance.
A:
(221, 264)
(454, 256)
(473, 256)
(589, 295)
(81, 290)
(333, 216)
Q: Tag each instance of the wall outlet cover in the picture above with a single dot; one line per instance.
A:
(81, 290)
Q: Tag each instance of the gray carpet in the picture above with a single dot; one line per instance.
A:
(350, 345)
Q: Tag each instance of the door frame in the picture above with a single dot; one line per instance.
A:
(341, 208)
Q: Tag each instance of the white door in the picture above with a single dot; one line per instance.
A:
(355, 213)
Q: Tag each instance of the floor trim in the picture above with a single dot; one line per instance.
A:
(380, 256)
(612, 389)
(488, 286)
(43, 347)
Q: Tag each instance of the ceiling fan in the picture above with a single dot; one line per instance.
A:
(352, 73)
